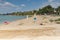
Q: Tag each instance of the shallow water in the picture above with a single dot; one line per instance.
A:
(10, 18)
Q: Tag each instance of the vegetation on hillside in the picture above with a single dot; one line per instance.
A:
(47, 10)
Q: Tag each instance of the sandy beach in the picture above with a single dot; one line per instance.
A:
(29, 19)
(29, 28)
(24, 24)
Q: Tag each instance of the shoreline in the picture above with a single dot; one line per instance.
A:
(26, 24)
(27, 28)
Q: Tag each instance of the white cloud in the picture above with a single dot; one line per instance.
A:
(8, 7)
(8, 4)
(44, 4)
(23, 5)
(55, 4)
(50, 0)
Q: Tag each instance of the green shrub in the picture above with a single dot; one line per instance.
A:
(51, 20)
(58, 22)
(57, 19)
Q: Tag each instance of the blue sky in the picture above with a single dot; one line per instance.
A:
(7, 6)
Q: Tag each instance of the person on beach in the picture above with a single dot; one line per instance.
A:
(27, 17)
(35, 18)
(6, 22)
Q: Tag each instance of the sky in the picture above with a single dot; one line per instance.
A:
(8, 6)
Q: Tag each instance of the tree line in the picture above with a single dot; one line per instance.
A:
(47, 10)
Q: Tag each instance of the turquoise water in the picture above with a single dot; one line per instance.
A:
(10, 18)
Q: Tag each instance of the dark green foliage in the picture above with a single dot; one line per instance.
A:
(58, 22)
(51, 20)
(48, 10)
(57, 19)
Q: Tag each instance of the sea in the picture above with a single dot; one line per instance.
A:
(9, 18)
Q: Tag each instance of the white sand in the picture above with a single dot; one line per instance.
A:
(29, 24)
(34, 38)
(25, 24)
